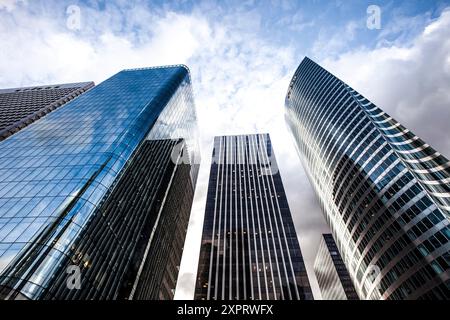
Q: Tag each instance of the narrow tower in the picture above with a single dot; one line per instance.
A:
(249, 247)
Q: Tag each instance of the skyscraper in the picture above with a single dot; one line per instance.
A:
(249, 246)
(332, 275)
(95, 197)
(384, 192)
(21, 106)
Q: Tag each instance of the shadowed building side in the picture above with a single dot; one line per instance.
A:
(249, 246)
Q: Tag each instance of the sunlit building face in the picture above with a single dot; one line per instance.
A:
(384, 192)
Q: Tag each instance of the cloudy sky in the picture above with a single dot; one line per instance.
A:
(242, 55)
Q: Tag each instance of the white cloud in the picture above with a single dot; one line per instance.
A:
(296, 22)
(400, 29)
(409, 82)
(39, 49)
(9, 5)
(330, 42)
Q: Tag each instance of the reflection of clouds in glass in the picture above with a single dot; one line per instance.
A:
(67, 161)
(7, 257)
(43, 203)
(31, 230)
(52, 134)
(178, 120)
(45, 269)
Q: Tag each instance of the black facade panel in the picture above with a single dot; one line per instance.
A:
(249, 246)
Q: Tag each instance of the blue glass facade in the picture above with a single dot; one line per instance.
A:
(59, 172)
(385, 193)
(21, 106)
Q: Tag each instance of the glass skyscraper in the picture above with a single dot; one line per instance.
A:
(332, 275)
(385, 193)
(95, 197)
(21, 106)
(249, 246)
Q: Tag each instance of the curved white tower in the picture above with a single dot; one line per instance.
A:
(384, 192)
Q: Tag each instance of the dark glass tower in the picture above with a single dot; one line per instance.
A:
(384, 192)
(21, 106)
(332, 275)
(100, 190)
(249, 246)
